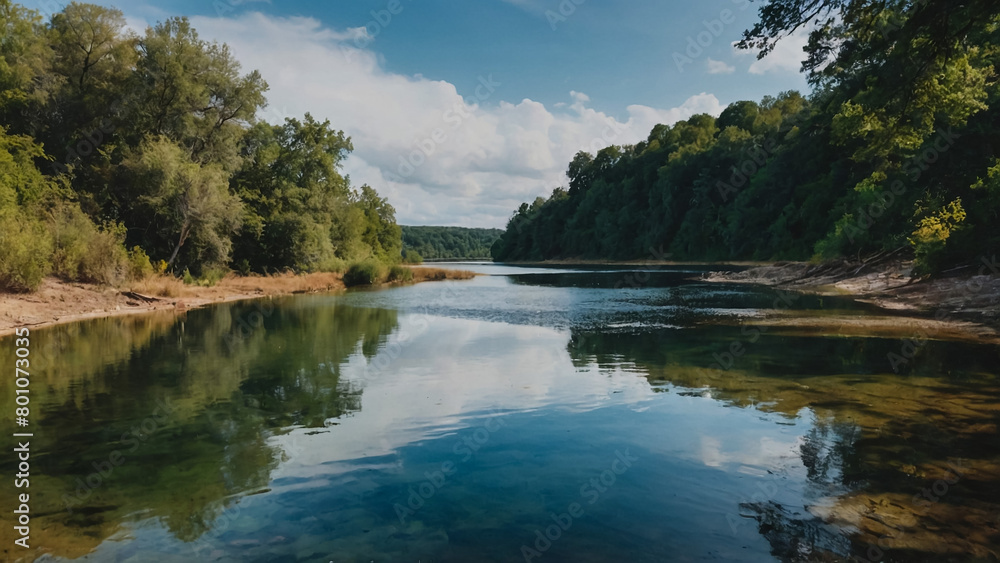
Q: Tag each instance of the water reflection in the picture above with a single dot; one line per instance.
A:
(166, 418)
(457, 422)
(879, 443)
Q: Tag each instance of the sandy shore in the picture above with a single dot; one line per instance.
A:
(57, 301)
(957, 304)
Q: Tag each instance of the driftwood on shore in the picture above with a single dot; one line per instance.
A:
(140, 297)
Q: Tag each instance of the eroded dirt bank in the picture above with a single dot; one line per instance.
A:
(960, 302)
(57, 301)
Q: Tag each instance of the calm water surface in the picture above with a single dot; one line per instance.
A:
(531, 414)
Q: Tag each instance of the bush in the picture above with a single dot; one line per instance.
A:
(208, 278)
(211, 276)
(106, 260)
(331, 264)
(140, 267)
(412, 257)
(82, 251)
(25, 252)
(400, 273)
(367, 272)
(243, 267)
(930, 239)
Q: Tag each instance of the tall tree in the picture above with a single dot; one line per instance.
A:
(189, 205)
(25, 60)
(191, 92)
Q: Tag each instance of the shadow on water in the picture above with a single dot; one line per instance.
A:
(258, 432)
(168, 417)
(900, 467)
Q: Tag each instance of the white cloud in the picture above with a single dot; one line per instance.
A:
(787, 55)
(439, 158)
(719, 67)
(647, 117)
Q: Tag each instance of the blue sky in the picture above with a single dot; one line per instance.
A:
(551, 76)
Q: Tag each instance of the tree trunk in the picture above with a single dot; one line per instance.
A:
(180, 243)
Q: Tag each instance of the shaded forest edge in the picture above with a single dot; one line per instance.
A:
(893, 151)
(448, 243)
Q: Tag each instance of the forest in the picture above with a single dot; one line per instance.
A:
(125, 154)
(893, 151)
(448, 243)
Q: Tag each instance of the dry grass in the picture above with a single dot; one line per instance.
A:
(282, 283)
(233, 285)
(421, 274)
(59, 301)
(159, 285)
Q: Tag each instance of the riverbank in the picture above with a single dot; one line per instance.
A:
(961, 302)
(58, 301)
(957, 305)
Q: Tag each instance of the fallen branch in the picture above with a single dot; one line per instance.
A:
(139, 296)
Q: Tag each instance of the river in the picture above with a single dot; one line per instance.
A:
(530, 414)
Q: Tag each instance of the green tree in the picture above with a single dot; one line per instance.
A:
(25, 60)
(191, 92)
(381, 232)
(299, 213)
(189, 205)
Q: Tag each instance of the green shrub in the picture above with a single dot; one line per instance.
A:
(400, 273)
(106, 261)
(211, 276)
(71, 233)
(243, 267)
(25, 252)
(367, 272)
(930, 239)
(331, 264)
(412, 257)
(140, 267)
(208, 278)
(82, 251)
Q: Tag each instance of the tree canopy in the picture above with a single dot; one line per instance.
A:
(450, 243)
(895, 147)
(152, 142)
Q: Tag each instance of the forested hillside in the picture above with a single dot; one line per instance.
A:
(112, 141)
(448, 243)
(895, 148)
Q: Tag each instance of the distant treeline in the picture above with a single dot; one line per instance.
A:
(896, 149)
(448, 243)
(112, 141)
